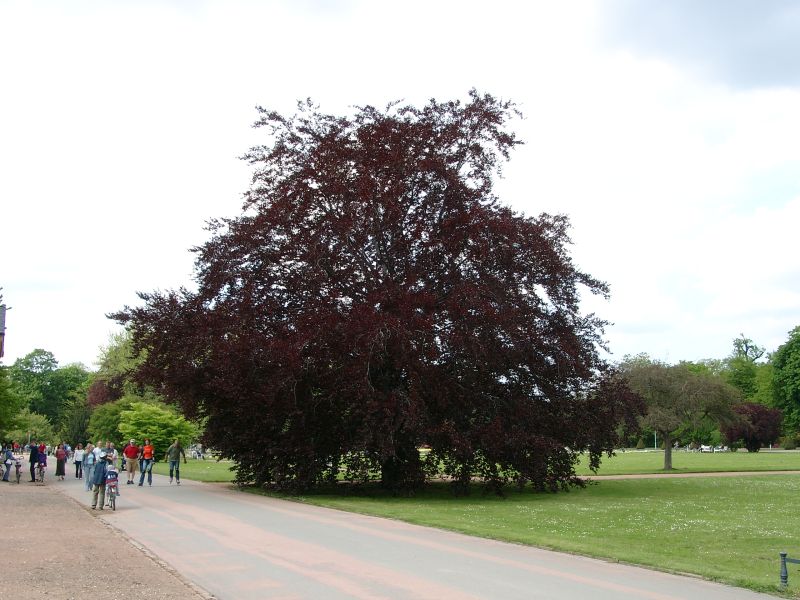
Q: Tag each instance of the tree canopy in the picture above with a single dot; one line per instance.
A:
(678, 397)
(757, 426)
(10, 402)
(44, 386)
(742, 370)
(375, 295)
(786, 380)
(157, 422)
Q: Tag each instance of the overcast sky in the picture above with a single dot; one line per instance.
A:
(668, 131)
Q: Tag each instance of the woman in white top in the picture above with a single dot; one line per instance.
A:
(77, 458)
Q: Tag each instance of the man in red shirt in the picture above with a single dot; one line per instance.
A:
(131, 452)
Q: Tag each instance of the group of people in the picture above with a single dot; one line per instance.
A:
(96, 464)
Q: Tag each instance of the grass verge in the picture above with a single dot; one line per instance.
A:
(724, 529)
(633, 462)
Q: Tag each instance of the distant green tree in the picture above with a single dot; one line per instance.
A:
(28, 425)
(105, 419)
(765, 393)
(116, 365)
(158, 422)
(44, 387)
(75, 420)
(786, 381)
(10, 403)
(29, 377)
(741, 368)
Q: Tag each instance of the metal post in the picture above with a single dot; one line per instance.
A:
(784, 572)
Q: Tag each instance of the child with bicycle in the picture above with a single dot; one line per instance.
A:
(99, 479)
(112, 481)
(41, 467)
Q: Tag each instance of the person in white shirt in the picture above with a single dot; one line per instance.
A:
(77, 459)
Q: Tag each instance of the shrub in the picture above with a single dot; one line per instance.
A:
(640, 444)
(789, 442)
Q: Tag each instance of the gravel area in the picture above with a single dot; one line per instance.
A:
(56, 548)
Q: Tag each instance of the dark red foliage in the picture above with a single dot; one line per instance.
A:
(100, 392)
(375, 296)
(758, 426)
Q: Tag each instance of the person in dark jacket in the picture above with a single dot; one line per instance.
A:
(99, 480)
(34, 459)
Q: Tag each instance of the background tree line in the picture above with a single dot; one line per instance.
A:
(749, 399)
(43, 401)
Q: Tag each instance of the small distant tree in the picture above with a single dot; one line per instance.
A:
(678, 397)
(756, 427)
(105, 419)
(158, 422)
(28, 425)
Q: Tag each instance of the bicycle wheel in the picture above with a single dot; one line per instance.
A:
(18, 475)
(113, 501)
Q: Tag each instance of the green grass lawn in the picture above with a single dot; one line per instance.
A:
(631, 462)
(208, 470)
(725, 529)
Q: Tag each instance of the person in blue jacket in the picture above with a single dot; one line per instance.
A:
(99, 480)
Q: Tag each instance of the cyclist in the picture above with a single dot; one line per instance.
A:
(42, 462)
(112, 482)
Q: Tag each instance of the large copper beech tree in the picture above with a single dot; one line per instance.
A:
(374, 296)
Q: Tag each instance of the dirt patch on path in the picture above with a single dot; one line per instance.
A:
(57, 549)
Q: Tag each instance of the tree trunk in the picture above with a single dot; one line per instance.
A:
(402, 473)
(667, 451)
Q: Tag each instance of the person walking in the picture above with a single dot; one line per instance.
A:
(8, 461)
(173, 455)
(148, 453)
(99, 480)
(131, 453)
(33, 459)
(77, 460)
(61, 461)
(112, 451)
(98, 448)
(89, 461)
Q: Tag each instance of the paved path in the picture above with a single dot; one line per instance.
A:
(240, 546)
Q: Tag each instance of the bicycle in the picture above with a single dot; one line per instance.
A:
(18, 468)
(40, 473)
(112, 490)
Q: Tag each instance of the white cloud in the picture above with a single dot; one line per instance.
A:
(121, 133)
